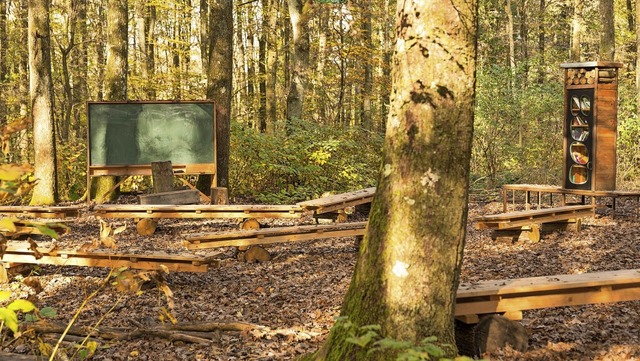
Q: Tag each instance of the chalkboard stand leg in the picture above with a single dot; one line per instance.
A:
(104, 196)
(203, 197)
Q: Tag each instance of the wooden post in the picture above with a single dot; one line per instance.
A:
(219, 195)
(162, 175)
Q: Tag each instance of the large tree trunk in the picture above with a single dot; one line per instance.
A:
(607, 49)
(115, 77)
(408, 268)
(41, 90)
(299, 15)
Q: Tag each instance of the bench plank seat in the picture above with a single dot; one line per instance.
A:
(516, 295)
(536, 216)
(274, 235)
(15, 253)
(197, 211)
(41, 211)
(339, 201)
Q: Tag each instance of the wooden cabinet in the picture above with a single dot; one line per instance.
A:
(590, 124)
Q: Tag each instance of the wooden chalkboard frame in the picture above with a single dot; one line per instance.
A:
(106, 169)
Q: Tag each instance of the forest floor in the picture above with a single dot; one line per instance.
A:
(295, 297)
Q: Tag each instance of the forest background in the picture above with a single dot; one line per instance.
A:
(335, 144)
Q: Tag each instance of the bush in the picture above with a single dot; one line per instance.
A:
(277, 168)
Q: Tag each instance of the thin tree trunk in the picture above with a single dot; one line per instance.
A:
(637, 13)
(272, 66)
(101, 49)
(219, 81)
(24, 143)
(116, 75)
(385, 91)
(524, 41)
(511, 41)
(299, 14)
(41, 89)
(541, 39)
(607, 49)
(367, 87)
(150, 43)
(576, 31)
(262, 69)
(79, 68)
(320, 89)
(3, 62)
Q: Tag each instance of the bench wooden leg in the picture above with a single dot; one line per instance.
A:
(534, 233)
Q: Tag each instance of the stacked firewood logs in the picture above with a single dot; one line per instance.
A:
(582, 76)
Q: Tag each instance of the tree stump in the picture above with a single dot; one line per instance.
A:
(492, 333)
(219, 195)
(162, 175)
(257, 254)
(146, 226)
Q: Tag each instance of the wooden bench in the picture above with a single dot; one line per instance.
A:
(197, 211)
(517, 295)
(338, 202)
(530, 221)
(273, 235)
(497, 305)
(41, 211)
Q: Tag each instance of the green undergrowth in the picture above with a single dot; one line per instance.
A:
(280, 168)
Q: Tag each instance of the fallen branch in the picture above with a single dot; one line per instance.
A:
(191, 333)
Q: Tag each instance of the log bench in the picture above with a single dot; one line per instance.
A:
(531, 221)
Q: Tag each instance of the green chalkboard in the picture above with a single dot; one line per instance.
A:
(143, 132)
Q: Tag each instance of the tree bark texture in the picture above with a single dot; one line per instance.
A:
(41, 90)
(3, 61)
(117, 50)
(607, 49)
(576, 31)
(219, 80)
(637, 13)
(299, 15)
(115, 76)
(408, 268)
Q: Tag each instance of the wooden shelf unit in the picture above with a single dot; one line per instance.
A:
(590, 125)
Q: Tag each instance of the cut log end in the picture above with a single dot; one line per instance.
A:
(146, 227)
(495, 332)
(257, 254)
(249, 224)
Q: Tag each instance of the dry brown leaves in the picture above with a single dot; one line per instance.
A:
(296, 296)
